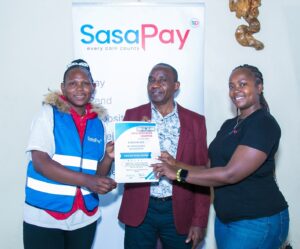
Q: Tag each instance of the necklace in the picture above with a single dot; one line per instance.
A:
(236, 126)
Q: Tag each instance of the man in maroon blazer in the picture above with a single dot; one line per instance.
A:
(175, 212)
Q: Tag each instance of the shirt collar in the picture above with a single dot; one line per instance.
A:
(174, 112)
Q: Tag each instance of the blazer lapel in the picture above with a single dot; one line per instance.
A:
(183, 131)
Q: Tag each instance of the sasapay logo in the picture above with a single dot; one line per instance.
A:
(94, 140)
(143, 36)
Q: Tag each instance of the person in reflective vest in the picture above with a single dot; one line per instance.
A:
(69, 159)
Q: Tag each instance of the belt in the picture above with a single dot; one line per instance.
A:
(168, 198)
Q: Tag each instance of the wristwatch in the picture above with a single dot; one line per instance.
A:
(181, 175)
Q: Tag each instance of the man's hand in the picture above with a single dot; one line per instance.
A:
(196, 234)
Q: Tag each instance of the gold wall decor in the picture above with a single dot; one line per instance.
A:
(247, 9)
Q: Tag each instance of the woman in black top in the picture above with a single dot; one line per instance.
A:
(251, 212)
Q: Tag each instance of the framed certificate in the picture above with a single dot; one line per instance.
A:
(136, 148)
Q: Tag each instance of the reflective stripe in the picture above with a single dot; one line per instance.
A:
(50, 188)
(67, 160)
(74, 161)
(85, 191)
(54, 188)
(89, 164)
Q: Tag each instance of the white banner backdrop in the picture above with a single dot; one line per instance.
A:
(121, 43)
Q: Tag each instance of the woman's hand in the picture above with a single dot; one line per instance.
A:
(104, 165)
(100, 184)
(57, 172)
(164, 169)
(110, 149)
(167, 158)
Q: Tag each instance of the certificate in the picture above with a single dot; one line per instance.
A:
(136, 148)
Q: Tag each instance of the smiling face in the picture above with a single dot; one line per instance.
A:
(244, 91)
(162, 85)
(78, 89)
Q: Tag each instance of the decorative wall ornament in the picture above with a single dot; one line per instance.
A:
(248, 10)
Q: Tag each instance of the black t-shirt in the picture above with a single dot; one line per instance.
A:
(258, 194)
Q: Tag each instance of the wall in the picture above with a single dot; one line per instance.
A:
(36, 44)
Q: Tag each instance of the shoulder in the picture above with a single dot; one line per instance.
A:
(100, 111)
(53, 98)
(138, 112)
(44, 118)
(264, 120)
(47, 109)
(139, 108)
(261, 131)
(186, 113)
(45, 113)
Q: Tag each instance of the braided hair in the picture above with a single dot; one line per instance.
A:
(258, 80)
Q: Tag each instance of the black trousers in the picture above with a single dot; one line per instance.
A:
(35, 237)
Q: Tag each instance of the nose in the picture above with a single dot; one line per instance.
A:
(235, 88)
(155, 83)
(79, 85)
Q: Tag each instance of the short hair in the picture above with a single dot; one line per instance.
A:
(78, 63)
(174, 71)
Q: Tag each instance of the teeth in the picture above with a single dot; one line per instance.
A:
(156, 92)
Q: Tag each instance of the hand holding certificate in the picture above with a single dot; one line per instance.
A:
(136, 148)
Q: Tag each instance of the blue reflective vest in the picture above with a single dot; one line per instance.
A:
(83, 157)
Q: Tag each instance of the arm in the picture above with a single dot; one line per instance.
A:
(55, 171)
(243, 163)
(260, 138)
